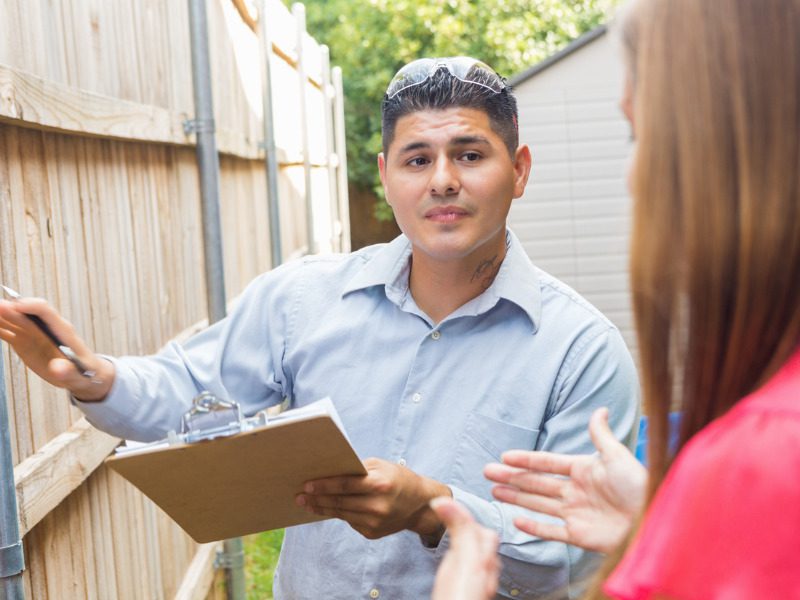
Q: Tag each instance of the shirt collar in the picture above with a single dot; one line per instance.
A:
(389, 266)
(517, 281)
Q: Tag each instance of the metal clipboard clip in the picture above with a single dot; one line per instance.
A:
(211, 417)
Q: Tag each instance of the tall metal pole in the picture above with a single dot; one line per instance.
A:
(299, 12)
(232, 558)
(270, 147)
(207, 160)
(12, 558)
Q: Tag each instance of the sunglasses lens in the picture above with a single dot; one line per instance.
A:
(412, 74)
(470, 70)
(464, 68)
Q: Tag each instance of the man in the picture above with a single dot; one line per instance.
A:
(440, 350)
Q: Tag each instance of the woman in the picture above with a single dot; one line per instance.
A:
(713, 96)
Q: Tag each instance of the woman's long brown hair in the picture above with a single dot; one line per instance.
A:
(715, 249)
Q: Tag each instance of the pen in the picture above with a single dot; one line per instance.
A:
(68, 352)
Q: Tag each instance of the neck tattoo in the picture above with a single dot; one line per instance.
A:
(486, 272)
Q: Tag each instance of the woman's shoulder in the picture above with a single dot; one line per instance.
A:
(765, 422)
(758, 440)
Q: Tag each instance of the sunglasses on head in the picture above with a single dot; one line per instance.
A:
(463, 68)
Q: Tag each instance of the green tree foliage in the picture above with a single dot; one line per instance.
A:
(372, 39)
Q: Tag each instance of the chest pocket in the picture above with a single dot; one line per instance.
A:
(484, 440)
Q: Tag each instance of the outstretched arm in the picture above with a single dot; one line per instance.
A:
(596, 496)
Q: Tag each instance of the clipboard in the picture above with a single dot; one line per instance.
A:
(224, 476)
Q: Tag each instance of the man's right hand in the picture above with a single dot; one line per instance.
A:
(597, 496)
(42, 357)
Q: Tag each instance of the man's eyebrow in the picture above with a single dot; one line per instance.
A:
(414, 146)
(469, 140)
(462, 140)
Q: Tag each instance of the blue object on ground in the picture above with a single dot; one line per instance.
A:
(641, 441)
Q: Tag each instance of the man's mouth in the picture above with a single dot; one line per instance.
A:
(446, 214)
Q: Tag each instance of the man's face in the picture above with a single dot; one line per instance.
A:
(450, 180)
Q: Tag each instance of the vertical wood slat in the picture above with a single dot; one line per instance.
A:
(20, 272)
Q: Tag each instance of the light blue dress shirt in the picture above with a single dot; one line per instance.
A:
(523, 365)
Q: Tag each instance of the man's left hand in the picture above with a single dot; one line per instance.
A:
(388, 499)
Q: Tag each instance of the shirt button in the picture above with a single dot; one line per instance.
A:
(416, 397)
(402, 462)
(374, 593)
(514, 592)
(436, 335)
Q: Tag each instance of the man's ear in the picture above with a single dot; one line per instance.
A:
(522, 169)
(382, 172)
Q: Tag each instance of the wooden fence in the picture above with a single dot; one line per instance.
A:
(100, 213)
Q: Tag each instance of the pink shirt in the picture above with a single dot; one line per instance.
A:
(725, 523)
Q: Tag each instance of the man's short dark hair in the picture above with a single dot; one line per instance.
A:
(443, 90)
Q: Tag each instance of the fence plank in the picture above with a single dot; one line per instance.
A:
(28, 100)
(45, 478)
(200, 575)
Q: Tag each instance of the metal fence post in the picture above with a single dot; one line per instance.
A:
(232, 559)
(12, 558)
(207, 159)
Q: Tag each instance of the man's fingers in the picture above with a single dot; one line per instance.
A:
(18, 312)
(336, 486)
(11, 316)
(544, 462)
(355, 519)
(535, 502)
(349, 503)
(7, 335)
(547, 531)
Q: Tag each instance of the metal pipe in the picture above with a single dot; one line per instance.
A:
(207, 160)
(208, 166)
(12, 558)
(270, 146)
(299, 12)
(341, 155)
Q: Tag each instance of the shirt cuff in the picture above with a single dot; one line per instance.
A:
(116, 412)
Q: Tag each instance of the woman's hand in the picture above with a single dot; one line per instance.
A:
(597, 497)
(470, 568)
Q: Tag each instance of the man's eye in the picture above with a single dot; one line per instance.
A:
(471, 156)
(417, 162)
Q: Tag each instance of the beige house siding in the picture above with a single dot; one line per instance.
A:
(574, 217)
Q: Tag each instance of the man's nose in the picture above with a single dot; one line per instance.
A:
(444, 178)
